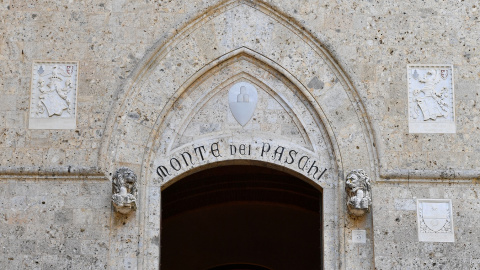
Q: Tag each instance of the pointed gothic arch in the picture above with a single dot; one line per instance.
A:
(137, 130)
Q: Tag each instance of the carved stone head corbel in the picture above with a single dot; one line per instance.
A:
(124, 186)
(359, 193)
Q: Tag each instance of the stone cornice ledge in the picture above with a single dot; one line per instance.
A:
(387, 176)
(60, 173)
(429, 176)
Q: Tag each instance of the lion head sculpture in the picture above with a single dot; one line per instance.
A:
(358, 190)
(124, 185)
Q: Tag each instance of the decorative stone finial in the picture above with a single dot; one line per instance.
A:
(124, 185)
(359, 192)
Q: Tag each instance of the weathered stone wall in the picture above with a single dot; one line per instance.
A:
(69, 222)
(395, 227)
(54, 224)
(372, 41)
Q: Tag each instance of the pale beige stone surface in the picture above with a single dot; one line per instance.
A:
(395, 228)
(51, 224)
(333, 72)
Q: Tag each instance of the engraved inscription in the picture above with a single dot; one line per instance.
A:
(193, 156)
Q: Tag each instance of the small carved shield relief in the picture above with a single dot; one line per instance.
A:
(435, 220)
(435, 215)
(242, 99)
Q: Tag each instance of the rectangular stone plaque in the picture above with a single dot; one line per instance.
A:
(431, 99)
(435, 220)
(53, 96)
(359, 236)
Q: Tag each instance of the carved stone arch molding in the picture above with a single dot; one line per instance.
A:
(177, 101)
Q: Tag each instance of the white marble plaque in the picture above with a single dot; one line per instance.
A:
(434, 220)
(53, 95)
(359, 236)
(242, 98)
(431, 99)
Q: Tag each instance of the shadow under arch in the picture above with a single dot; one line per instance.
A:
(241, 213)
(239, 267)
(243, 162)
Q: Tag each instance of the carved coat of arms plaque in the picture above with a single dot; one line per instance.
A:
(242, 99)
(434, 220)
(431, 99)
(53, 95)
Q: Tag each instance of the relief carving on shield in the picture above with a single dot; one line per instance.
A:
(434, 219)
(242, 98)
(431, 99)
(53, 95)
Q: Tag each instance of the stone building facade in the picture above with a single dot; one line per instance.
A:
(373, 104)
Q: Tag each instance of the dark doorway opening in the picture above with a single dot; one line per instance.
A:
(237, 216)
(239, 267)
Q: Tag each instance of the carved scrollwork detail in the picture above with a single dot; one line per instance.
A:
(124, 186)
(358, 188)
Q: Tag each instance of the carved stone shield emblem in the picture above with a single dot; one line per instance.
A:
(435, 220)
(242, 98)
(435, 216)
(431, 99)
